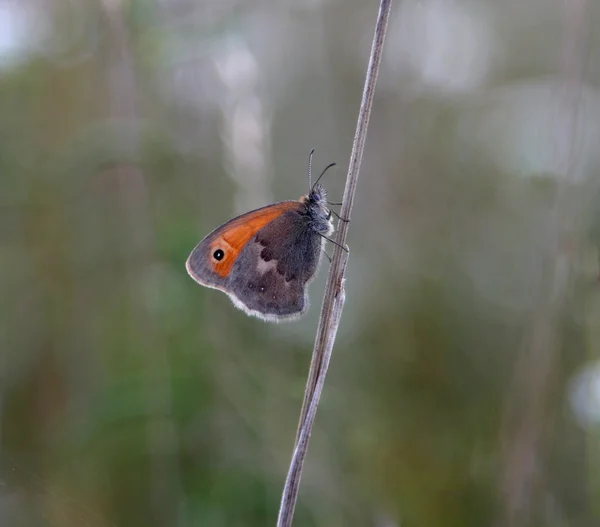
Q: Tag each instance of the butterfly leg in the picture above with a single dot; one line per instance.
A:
(325, 253)
(345, 220)
(335, 243)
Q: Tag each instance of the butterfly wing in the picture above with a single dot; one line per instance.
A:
(270, 278)
(268, 257)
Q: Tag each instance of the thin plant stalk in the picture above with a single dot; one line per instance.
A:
(334, 297)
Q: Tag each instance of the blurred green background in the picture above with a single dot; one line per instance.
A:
(464, 389)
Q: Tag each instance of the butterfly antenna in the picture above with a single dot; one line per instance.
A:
(309, 168)
(322, 173)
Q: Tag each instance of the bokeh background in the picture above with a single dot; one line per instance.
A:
(464, 388)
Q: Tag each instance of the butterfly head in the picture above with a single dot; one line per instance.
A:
(316, 207)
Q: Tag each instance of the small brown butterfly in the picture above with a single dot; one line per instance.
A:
(264, 259)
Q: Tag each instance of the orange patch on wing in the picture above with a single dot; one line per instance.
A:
(235, 234)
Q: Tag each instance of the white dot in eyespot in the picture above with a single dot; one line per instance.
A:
(262, 288)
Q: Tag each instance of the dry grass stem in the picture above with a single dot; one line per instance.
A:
(334, 297)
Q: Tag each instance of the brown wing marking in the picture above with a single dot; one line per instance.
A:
(232, 237)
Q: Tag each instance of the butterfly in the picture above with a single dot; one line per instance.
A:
(265, 259)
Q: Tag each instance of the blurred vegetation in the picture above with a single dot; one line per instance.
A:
(465, 385)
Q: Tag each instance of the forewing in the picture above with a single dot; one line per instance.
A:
(231, 238)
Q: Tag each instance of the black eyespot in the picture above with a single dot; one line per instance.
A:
(218, 255)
